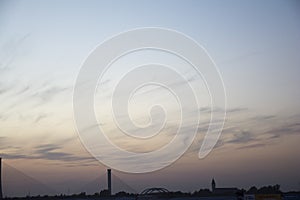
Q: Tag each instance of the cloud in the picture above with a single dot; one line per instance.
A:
(274, 129)
(48, 94)
(6, 145)
(263, 117)
(9, 51)
(4, 88)
(241, 57)
(257, 131)
(40, 117)
(284, 130)
(208, 109)
(52, 152)
(2, 141)
(237, 109)
(23, 90)
(3, 117)
(248, 132)
(254, 132)
(30, 96)
(243, 137)
(104, 82)
(258, 145)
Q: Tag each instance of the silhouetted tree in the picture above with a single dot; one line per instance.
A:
(122, 194)
(252, 190)
(104, 193)
(275, 189)
(96, 194)
(202, 193)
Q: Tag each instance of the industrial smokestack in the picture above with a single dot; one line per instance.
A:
(109, 181)
(1, 178)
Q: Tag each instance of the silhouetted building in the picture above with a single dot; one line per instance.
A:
(1, 178)
(109, 181)
(262, 197)
(291, 196)
(222, 191)
(264, 193)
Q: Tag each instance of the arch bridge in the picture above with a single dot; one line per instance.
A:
(153, 193)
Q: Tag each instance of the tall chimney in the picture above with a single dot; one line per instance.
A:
(1, 178)
(109, 181)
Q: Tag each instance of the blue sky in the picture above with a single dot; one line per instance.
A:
(255, 45)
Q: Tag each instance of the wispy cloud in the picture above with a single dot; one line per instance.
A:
(207, 109)
(46, 95)
(47, 152)
(31, 96)
(250, 146)
(9, 52)
(263, 117)
(243, 137)
(4, 88)
(40, 117)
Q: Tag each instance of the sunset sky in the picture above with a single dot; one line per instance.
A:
(255, 45)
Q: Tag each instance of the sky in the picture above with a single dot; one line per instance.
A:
(254, 44)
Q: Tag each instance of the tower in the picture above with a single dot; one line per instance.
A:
(109, 181)
(213, 185)
(1, 178)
